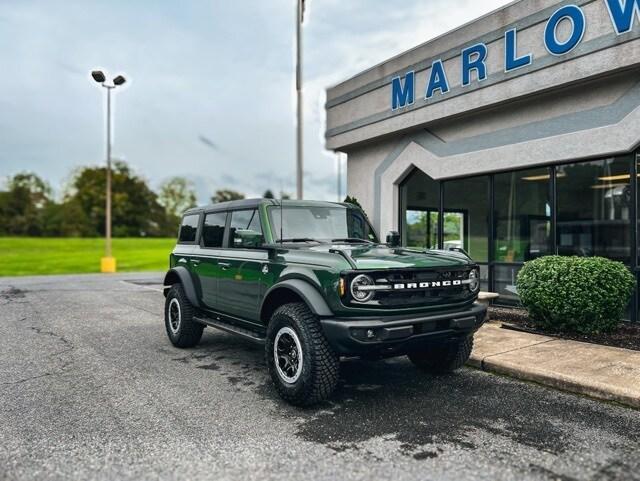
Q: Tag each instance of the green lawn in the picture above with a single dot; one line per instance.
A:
(22, 256)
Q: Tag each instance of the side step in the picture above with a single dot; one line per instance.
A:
(253, 336)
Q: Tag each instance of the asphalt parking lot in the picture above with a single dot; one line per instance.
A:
(92, 389)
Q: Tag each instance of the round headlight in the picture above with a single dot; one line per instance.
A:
(361, 280)
(474, 285)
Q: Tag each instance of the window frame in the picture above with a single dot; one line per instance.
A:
(227, 233)
(226, 228)
(198, 229)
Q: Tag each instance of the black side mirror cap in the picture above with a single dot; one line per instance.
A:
(393, 238)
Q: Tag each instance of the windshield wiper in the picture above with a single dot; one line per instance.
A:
(298, 239)
(354, 240)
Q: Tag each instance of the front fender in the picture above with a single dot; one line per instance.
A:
(181, 275)
(306, 291)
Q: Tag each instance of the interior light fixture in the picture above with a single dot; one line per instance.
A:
(543, 176)
(537, 177)
(608, 186)
(611, 178)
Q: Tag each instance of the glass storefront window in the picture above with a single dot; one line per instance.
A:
(522, 215)
(594, 207)
(504, 278)
(484, 277)
(594, 216)
(420, 201)
(466, 216)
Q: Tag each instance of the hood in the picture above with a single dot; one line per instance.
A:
(379, 256)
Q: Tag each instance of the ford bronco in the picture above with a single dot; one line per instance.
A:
(312, 283)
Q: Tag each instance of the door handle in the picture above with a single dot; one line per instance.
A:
(224, 265)
(195, 262)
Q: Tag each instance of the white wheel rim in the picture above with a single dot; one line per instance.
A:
(175, 315)
(287, 355)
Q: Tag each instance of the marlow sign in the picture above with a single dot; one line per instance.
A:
(622, 13)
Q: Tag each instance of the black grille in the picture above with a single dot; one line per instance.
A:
(414, 297)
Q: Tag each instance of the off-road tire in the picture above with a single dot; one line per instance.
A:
(189, 331)
(320, 364)
(445, 358)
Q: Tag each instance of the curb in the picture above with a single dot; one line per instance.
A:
(562, 383)
(600, 372)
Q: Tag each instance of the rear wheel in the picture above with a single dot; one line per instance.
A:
(444, 358)
(182, 329)
(301, 363)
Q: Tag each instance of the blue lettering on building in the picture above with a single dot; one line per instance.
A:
(575, 16)
(511, 60)
(437, 80)
(403, 94)
(473, 59)
(622, 13)
(557, 39)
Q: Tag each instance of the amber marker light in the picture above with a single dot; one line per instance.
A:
(342, 287)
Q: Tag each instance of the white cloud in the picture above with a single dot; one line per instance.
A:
(221, 69)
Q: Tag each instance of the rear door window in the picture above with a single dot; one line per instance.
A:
(188, 228)
(213, 229)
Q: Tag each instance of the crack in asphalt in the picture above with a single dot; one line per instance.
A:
(63, 367)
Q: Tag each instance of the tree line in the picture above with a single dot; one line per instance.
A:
(28, 207)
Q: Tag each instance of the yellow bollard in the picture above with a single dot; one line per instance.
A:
(108, 265)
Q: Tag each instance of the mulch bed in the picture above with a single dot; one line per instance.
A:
(627, 335)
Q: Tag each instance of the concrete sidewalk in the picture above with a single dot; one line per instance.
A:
(598, 371)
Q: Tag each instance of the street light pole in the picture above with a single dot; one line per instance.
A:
(107, 250)
(299, 159)
(108, 262)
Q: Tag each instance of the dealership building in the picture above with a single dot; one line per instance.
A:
(514, 136)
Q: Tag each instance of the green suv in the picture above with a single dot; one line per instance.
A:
(312, 282)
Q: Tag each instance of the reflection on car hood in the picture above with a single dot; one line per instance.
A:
(378, 256)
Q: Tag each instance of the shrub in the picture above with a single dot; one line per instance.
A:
(575, 294)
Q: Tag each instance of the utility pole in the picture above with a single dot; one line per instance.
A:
(339, 157)
(108, 262)
(299, 132)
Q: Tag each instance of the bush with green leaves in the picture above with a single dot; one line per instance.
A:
(575, 294)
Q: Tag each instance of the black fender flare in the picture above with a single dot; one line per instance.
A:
(305, 290)
(182, 275)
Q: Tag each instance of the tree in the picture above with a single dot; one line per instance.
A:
(21, 205)
(38, 190)
(177, 195)
(225, 195)
(354, 201)
(268, 194)
(136, 211)
(66, 219)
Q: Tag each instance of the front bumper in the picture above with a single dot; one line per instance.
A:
(379, 336)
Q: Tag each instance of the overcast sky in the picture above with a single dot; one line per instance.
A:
(211, 91)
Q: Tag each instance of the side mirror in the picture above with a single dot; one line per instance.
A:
(393, 239)
(248, 239)
(460, 250)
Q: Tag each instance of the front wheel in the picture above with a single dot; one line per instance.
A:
(301, 363)
(444, 358)
(182, 329)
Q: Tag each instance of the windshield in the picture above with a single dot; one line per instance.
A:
(321, 224)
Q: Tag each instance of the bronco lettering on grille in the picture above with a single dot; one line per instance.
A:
(427, 284)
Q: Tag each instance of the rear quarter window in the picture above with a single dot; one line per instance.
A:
(188, 228)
